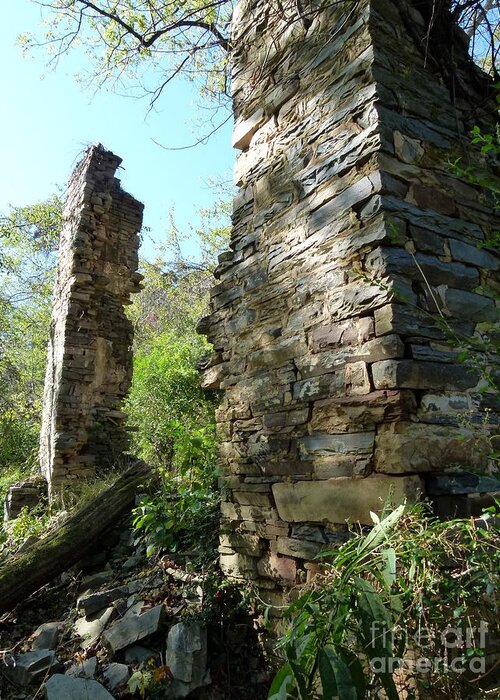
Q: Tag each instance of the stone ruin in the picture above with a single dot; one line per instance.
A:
(89, 367)
(356, 256)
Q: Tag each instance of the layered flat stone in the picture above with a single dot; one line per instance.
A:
(343, 499)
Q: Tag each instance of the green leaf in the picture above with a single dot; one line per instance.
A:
(379, 533)
(356, 669)
(281, 682)
(389, 570)
(335, 676)
(376, 621)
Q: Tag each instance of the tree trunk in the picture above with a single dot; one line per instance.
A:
(26, 572)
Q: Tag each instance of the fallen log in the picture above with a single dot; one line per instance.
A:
(24, 573)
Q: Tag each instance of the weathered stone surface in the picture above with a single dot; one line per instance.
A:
(355, 256)
(116, 675)
(23, 668)
(340, 500)
(94, 602)
(60, 687)
(132, 628)
(89, 365)
(418, 447)
(324, 445)
(408, 374)
(91, 630)
(475, 306)
(292, 547)
(83, 669)
(24, 494)
(238, 565)
(138, 654)
(274, 566)
(46, 636)
(187, 658)
(245, 129)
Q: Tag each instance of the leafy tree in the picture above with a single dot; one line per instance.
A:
(153, 40)
(176, 287)
(28, 237)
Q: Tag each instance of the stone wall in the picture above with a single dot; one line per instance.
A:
(90, 357)
(356, 255)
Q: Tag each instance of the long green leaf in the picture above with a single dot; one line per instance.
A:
(376, 621)
(380, 530)
(280, 684)
(389, 570)
(357, 672)
(335, 676)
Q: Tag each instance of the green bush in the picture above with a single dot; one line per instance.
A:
(167, 407)
(175, 432)
(383, 594)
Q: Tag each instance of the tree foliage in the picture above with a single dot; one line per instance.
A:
(28, 237)
(155, 41)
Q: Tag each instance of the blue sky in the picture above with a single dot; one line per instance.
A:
(47, 119)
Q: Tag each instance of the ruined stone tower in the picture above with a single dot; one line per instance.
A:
(90, 357)
(356, 255)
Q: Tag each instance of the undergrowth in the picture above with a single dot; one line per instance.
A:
(409, 607)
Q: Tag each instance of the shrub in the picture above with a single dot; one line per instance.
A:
(384, 594)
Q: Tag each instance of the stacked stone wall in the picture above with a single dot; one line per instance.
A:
(356, 256)
(89, 364)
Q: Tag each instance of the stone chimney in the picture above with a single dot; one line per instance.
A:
(359, 263)
(89, 366)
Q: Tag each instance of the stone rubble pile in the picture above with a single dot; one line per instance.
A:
(121, 628)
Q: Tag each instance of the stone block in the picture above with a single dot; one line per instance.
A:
(287, 467)
(302, 549)
(357, 379)
(244, 129)
(186, 657)
(238, 565)
(421, 267)
(473, 255)
(93, 602)
(252, 498)
(361, 413)
(332, 467)
(244, 543)
(345, 333)
(278, 354)
(323, 445)
(431, 198)
(421, 447)
(132, 628)
(23, 668)
(407, 149)
(46, 636)
(274, 566)
(61, 687)
(340, 500)
(410, 374)
(412, 322)
(116, 675)
(83, 669)
(477, 307)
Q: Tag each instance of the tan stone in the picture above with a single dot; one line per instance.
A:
(275, 566)
(238, 565)
(421, 447)
(342, 499)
